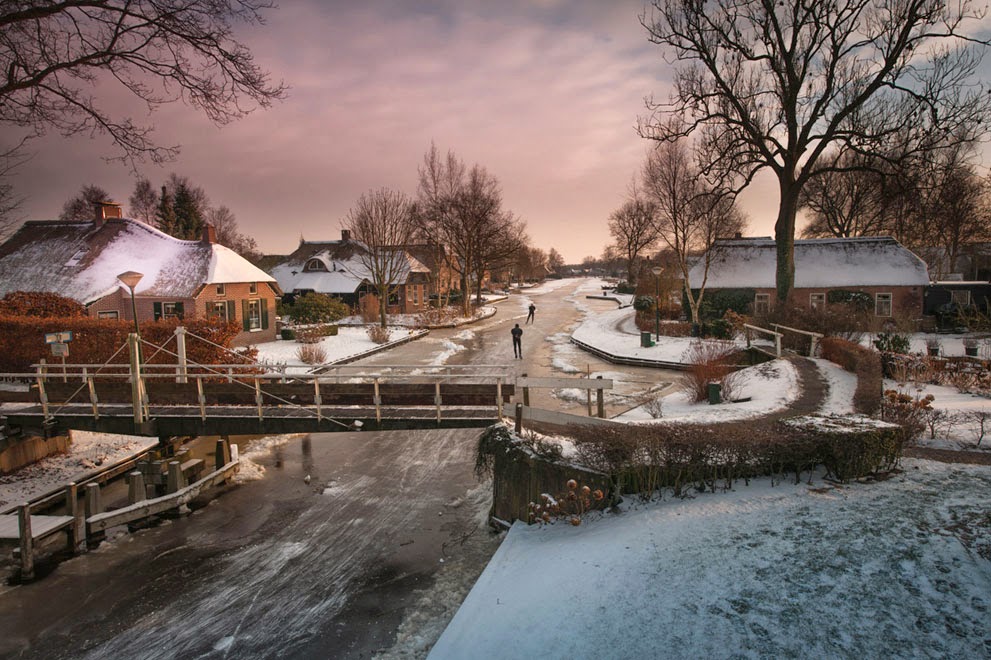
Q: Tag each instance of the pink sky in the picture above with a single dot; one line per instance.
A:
(545, 94)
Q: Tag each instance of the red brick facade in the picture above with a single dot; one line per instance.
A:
(906, 301)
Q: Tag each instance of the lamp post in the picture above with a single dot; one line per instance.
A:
(130, 279)
(657, 270)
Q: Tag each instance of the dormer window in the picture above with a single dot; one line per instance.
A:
(76, 258)
(315, 265)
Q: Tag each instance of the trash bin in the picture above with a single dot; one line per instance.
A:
(715, 393)
(645, 340)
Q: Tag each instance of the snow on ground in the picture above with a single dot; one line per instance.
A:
(842, 384)
(87, 453)
(609, 332)
(771, 387)
(249, 469)
(950, 345)
(890, 569)
(348, 342)
(959, 428)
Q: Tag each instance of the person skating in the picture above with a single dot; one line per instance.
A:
(532, 309)
(517, 333)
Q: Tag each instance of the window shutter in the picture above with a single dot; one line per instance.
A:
(245, 321)
(231, 311)
(158, 310)
(264, 305)
(209, 309)
(179, 310)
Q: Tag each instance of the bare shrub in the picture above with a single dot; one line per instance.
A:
(711, 362)
(907, 411)
(311, 354)
(437, 316)
(654, 407)
(980, 418)
(570, 506)
(378, 334)
(963, 381)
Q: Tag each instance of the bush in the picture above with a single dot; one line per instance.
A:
(710, 362)
(44, 305)
(891, 343)
(317, 308)
(287, 333)
(859, 299)
(378, 334)
(626, 288)
(907, 412)
(311, 354)
(643, 303)
(717, 302)
(863, 362)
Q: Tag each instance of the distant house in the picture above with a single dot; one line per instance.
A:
(335, 268)
(878, 269)
(181, 279)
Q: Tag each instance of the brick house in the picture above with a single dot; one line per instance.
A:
(826, 270)
(181, 279)
(335, 268)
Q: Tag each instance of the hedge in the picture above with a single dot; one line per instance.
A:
(94, 341)
(863, 362)
(717, 302)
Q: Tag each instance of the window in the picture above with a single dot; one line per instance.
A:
(762, 303)
(221, 289)
(168, 310)
(254, 317)
(218, 310)
(882, 304)
(253, 289)
(817, 300)
(415, 295)
(108, 315)
(960, 298)
(315, 265)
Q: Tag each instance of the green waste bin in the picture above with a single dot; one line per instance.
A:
(715, 393)
(645, 340)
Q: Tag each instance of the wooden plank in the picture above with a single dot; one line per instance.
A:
(41, 526)
(577, 383)
(562, 419)
(104, 521)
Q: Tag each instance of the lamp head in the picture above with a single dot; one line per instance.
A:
(130, 279)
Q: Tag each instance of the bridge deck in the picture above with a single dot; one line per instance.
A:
(41, 526)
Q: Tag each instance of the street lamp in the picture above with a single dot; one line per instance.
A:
(130, 280)
(657, 270)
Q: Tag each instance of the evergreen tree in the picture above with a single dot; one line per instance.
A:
(189, 220)
(165, 216)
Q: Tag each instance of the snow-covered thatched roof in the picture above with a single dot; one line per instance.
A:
(336, 267)
(819, 264)
(81, 260)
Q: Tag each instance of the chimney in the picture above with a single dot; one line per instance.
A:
(738, 235)
(345, 234)
(209, 233)
(105, 210)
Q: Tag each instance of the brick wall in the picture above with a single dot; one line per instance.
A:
(905, 300)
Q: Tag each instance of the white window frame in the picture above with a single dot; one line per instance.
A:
(762, 303)
(883, 298)
(221, 289)
(169, 310)
(253, 289)
(220, 310)
(254, 315)
(817, 300)
(315, 266)
(112, 314)
(965, 294)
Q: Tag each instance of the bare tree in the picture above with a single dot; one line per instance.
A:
(229, 234)
(10, 202)
(461, 208)
(690, 213)
(81, 207)
(845, 202)
(382, 221)
(53, 52)
(774, 85)
(554, 260)
(143, 203)
(634, 229)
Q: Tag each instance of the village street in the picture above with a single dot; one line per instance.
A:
(373, 555)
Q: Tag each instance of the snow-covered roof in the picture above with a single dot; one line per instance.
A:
(81, 261)
(345, 269)
(819, 263)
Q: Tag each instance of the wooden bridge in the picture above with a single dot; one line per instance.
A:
(184, 398)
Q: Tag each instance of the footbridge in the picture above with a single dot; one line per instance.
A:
(185, 398)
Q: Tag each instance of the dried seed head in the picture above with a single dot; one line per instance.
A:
(572, 484)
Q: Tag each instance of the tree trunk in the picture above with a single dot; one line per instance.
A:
(784, 237)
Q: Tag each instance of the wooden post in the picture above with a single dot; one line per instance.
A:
(180, 342)
(499, 397)
(777, 344)
(136, 487)
(134, 349)
(93, 503)
(316, 396)
(77, 533)
(175, 480)
(202, 398)
(230, 374)
(526, 394)
(519, 418)
(599, 401)
(27, 541)
(437, 400)
(588, 392)
(42, 395)
(223, 454)
(92, 397)
(258, 397)
(378, 402)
